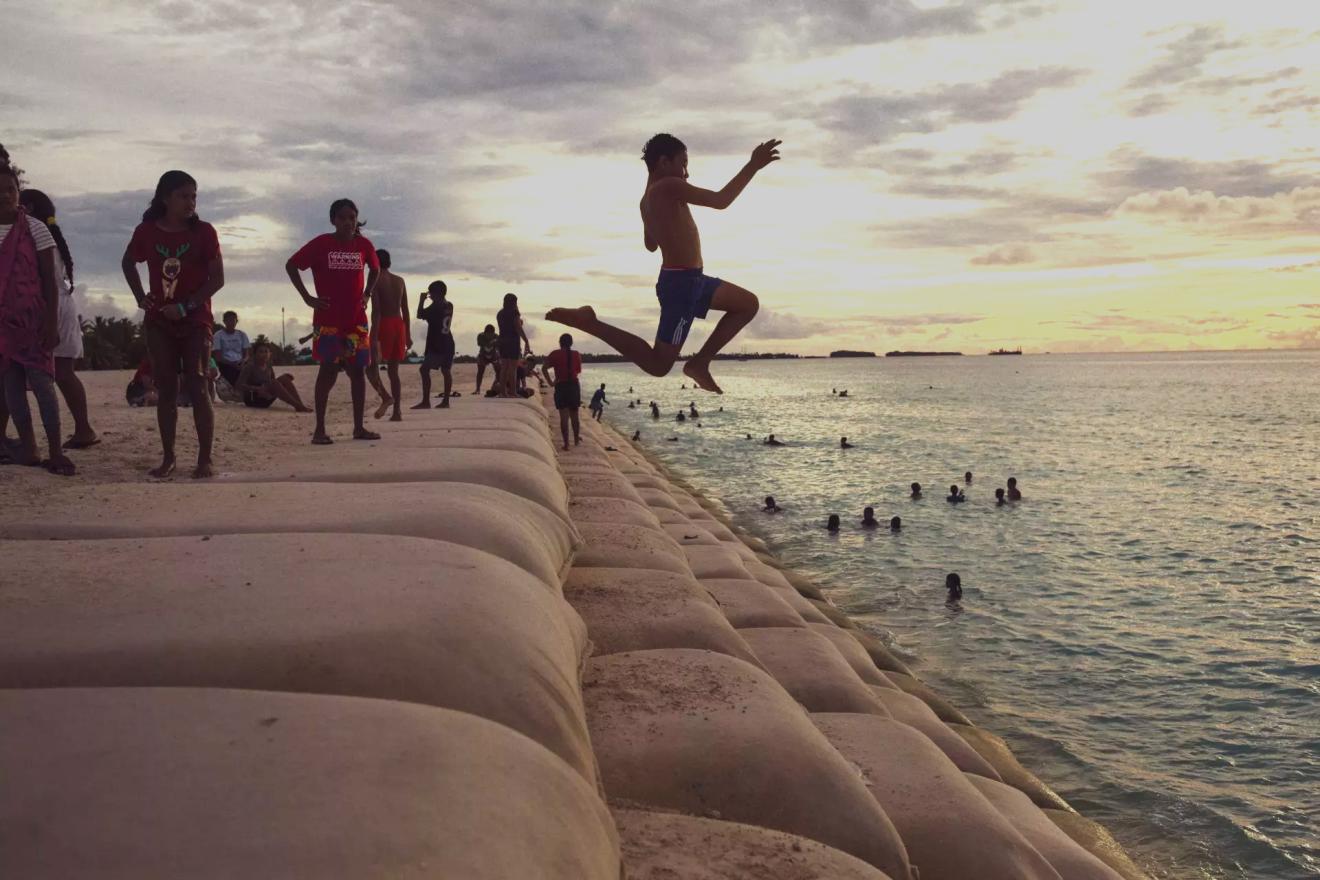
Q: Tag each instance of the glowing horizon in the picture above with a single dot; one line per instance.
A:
(956, 176)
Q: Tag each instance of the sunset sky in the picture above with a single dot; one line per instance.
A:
(1065, 176)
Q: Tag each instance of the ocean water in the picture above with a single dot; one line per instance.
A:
(1143, 628)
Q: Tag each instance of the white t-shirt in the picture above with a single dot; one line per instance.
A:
(230, 346)
(40, 233)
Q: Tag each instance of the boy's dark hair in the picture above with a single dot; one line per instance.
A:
(7, 167)
(346, 203)
(565, 340)
(662, 146)
(265, 345)
(381, 254)
(228, 313)
(437, 288)
(165, 187)
(39, 205)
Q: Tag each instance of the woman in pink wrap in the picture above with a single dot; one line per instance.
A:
(29, 326)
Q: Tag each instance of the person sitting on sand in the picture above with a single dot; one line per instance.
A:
(231, 348)
(953, 584)
(342, 340)
(771, 441)
(185, 269)
(565, 365)
(488, 353)
(684, 290)
(260, 387)
(598, 402)
(916, 491)
(832, 524)
(868, 518)
(1013, 493)
(967, 478)
(956, 495)
(439, 355)
(141, 390)
(895, 523)
(1000, 501)
(770, 505)
(844, 444)
(391, 329)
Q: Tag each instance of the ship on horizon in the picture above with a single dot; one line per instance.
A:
(999, 351)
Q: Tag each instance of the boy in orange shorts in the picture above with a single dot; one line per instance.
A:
(389, 322)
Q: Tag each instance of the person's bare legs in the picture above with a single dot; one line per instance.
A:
(563, 426)
(657, 361)
(325, 382)
(395, 390)
(358, 386)
(373, 376)
(739, 307)
(508, 377)
(426, 388)
(577, 426)
(167, 417)
(75, 397)
(204, 420)
(449, 386)
(282, 388)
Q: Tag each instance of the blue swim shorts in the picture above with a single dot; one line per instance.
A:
(684, 296)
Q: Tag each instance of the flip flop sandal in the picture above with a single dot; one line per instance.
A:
(80, 444)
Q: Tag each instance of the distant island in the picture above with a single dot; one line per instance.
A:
(1006, 351)
(607, 358)
(922, 354)
(844, 353)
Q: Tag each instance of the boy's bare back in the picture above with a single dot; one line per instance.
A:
(389, 296)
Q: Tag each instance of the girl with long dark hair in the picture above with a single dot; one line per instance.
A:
(185, 270)
(70, 346)
(567, 365)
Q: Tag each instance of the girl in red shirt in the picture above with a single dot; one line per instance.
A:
(184, 271)
(567, 365)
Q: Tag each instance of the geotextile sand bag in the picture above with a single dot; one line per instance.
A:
(598, 485)
(881, 655)
(715, 562)
(915, 713)
(433, 623)
(611, 510)
(764, 573)
(942, 708)
(1096, 839)
(213, 784)
(749, 603)
(712, 736)
(803, 584)
(658, 498)
(950, 830)
(997, 753)
(830, 610)
(513, 437)
(668, 515)
(500, 523)
(1070, 860)
(630, 610)
(515, 472)
(672, 846)
(614, 545)
(691, 533)
(855, 654)
(812, 670)
(804, 608)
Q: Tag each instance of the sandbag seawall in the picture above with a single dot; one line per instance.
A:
(349, 661)
(746, 728)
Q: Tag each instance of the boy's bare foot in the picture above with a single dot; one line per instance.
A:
(425, 404)
(166, 468)
(699, 372)
(60, 466)
(385, 404)
(579, 319)
(397, 417)
(364, 434)
(566, 447)
(444, 404)
(321, 440)
(203, 471)
(303, 409)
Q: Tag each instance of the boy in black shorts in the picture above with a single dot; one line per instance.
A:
(684, 290)
(439, 341)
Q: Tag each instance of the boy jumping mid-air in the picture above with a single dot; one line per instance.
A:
(684, 290)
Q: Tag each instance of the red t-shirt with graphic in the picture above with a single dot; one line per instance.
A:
(337, 272)
(566, 369)
(177, 264)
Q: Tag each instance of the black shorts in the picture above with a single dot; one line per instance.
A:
(441, 357)
(229, 371)
(510, 348)
(259, 401)
(568, 395)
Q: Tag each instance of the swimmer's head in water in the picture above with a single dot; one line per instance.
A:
(868, 514)
(967, 477)
(833, 523)
(896, 523)
(953, 584)
(769, 501)
(953, 490)
(666, 155)
(916, 488)
(999, 493)
(1012, 482)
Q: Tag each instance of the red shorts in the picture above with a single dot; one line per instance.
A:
(393, 335)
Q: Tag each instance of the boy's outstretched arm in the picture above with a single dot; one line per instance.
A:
(762, 156)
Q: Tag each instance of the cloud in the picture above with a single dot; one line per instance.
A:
(1307, 337)
(1005, 255)
(1297, 210)
(1131, 171)
(1184, 57)
(1298, 267)
(781, 325)
(1115, 319)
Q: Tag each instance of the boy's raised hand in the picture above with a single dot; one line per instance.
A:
(764, 154)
